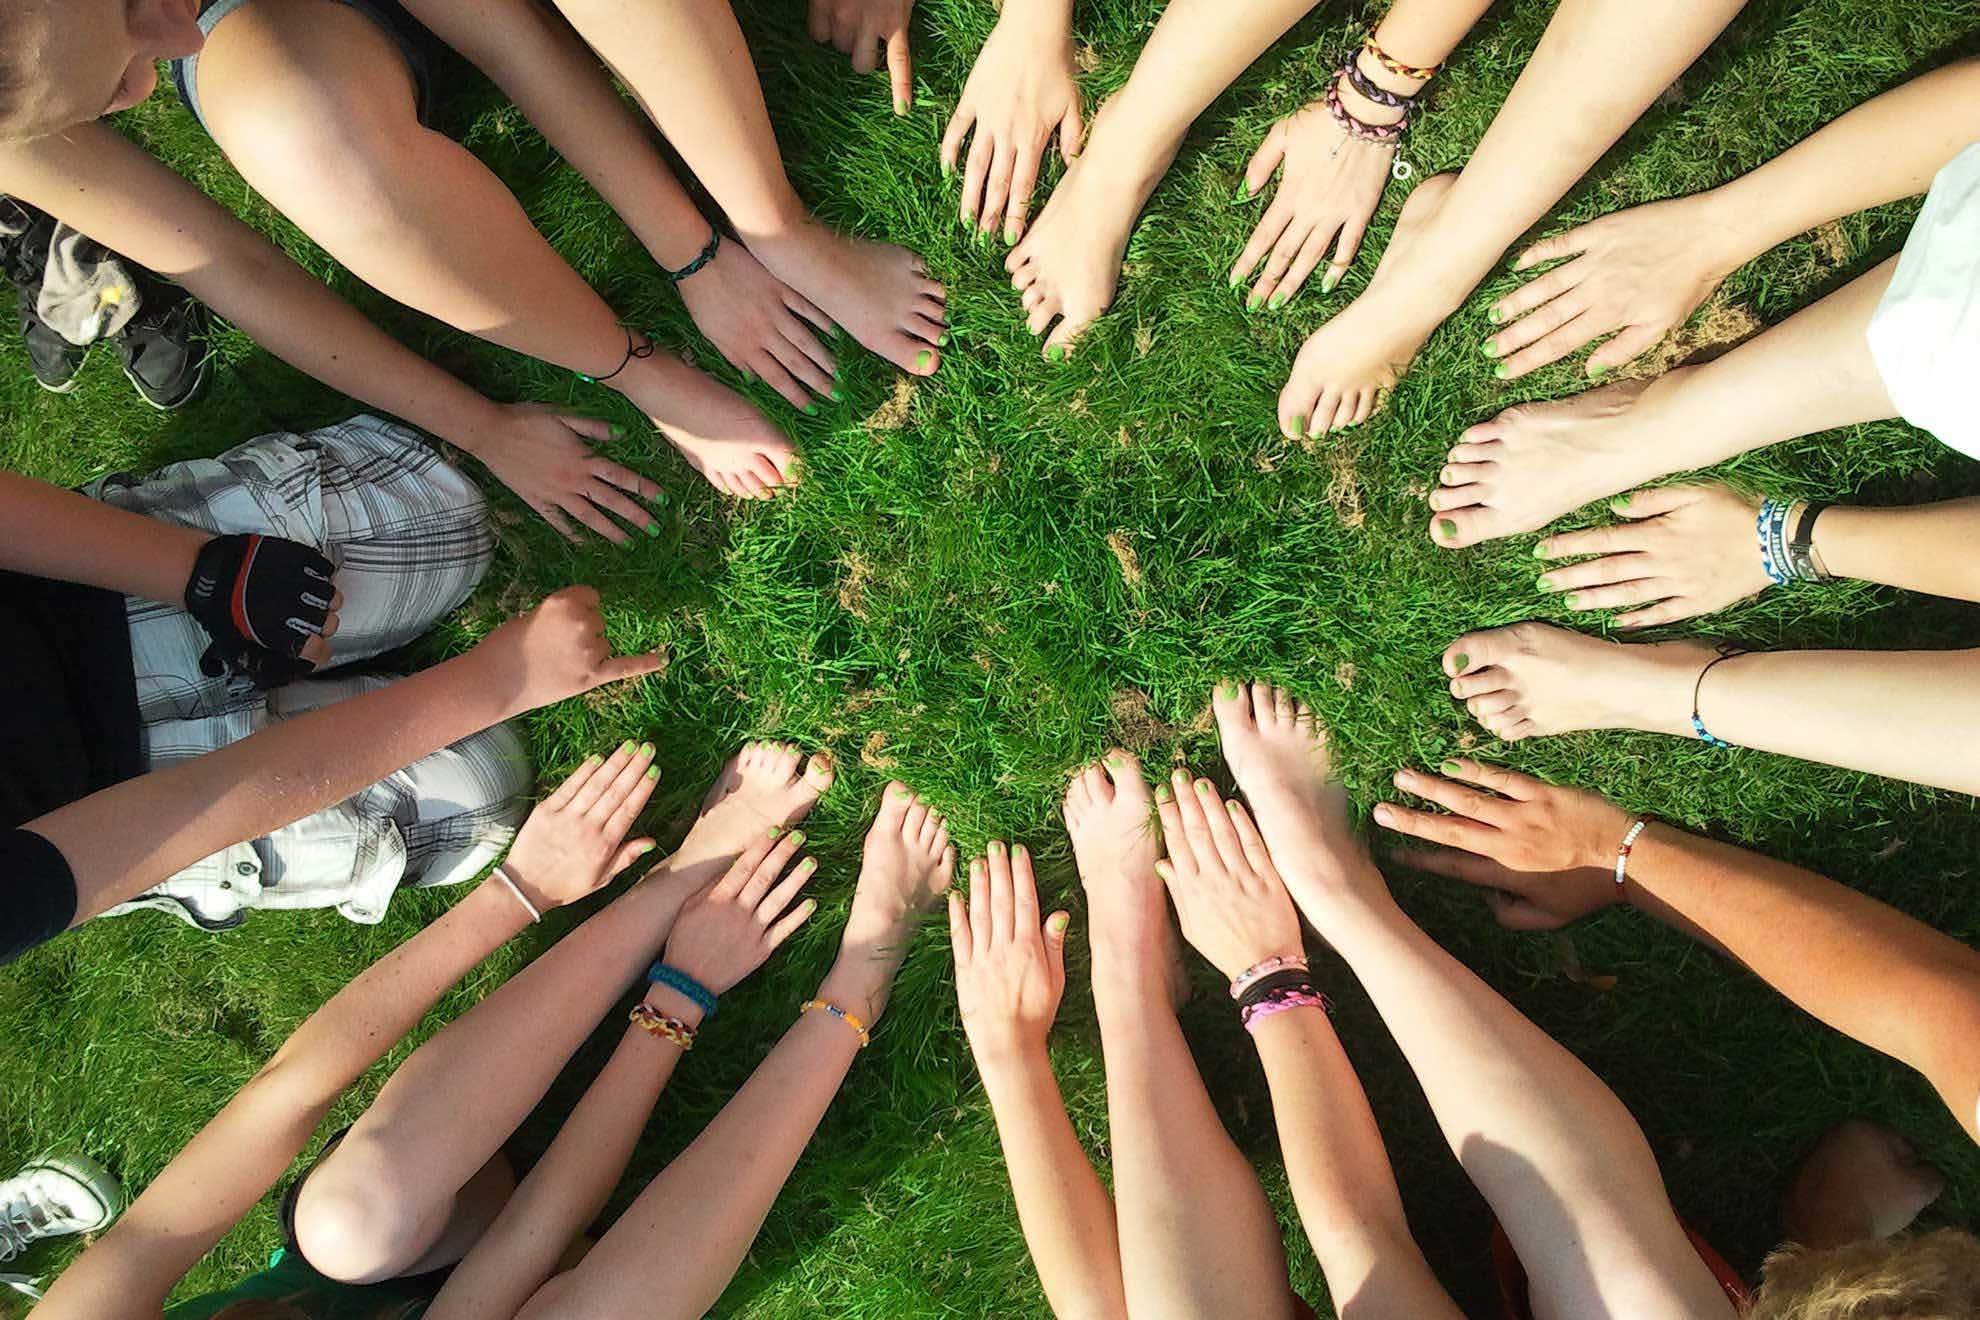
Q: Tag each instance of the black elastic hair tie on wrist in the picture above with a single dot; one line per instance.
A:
(633, 350)
(1291, 978)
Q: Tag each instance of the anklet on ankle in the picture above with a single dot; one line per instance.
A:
(1726, 652)
(1623, 851)
(633, 350)
(850, 1019)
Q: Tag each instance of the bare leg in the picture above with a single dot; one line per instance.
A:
(314, 106)
(1197, 1236)
(686, 62)
(1599, 64)
(1536, 462)
(1907, 714)
(397, 1195)
(1564, 1166)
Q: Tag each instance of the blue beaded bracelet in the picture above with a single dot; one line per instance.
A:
(677, 980)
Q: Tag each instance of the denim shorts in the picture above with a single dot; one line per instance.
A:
(407, 33)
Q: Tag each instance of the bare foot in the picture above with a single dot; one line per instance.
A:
(880, 293)
(1861, 1181)
(1533, 679)
(1344, 366)
(719, 432)
(1067, 267)
(1110, 815)
(1278, 754)
(908, 863)
(1535, 462)
(761, 788)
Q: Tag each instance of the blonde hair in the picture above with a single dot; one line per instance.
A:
(1925, 1276)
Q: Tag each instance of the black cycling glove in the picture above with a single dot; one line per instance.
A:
(260, 598)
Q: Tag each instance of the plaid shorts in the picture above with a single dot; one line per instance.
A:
(410, 537)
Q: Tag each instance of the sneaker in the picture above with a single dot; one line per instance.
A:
(165, 347)
(55, 360)
(54, 1197)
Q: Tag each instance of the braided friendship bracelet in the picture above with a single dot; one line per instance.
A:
(1771, 528)
(1385, 134)
(850, 1019)
(1726, 652)
(1396, 66)
(1368, 89)
(633, 350)
(1622, 854)
(706, 255)
(1253, 1014)
(686, 986)
(1259, 971)
(655, 1023)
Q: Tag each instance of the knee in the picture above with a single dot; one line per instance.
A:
(351, 1229)
(495, 776)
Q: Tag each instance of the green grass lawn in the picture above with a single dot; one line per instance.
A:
(994, 574)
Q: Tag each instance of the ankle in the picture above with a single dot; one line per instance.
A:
(779, 221)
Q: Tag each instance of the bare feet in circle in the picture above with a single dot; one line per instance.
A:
(1278, 754)
(1536, 462)
(765, 785)
(1862, 1181)
(719, 432)
(1344, 366)
(1533, 679)
(906, 865)
(1068, 265)
(879, 293)
(1110, 815)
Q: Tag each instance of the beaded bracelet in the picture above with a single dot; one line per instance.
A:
(706, 255)
(690, 989)
(1280, 1003)
(1770, 526)
(1623, 851)
(1257, 971)
(1385, 134)
(1726, 652)
(850, 1019)
(655, 1023)
(1396, 66)
(1368, 89)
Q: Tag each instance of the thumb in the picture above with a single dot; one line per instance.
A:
(1055, 944)
(629, 852)
(592, 428)
(900, 66)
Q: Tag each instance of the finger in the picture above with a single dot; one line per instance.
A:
(979, 905)
(959, 936)
(788, 926)
(1632, 342)
(1455, 865)
(1072, 131)
(975, 171)
(608, 497)
(1453, 797)
(1168, 810)
(1616, 595)
(1055, 946)
(630, 778)
(953, 135)
(1263, 236)
(1223, 834)
(786, 891)
(813, 349)
(1550, 348)
(1639, 504)
(1265, 160)
(595, 785)
(997, 189)
(1249, 839)
(316, 651)
(591, 428)
(1535, 325)
(1613, 539)
(558, 523)
(629, 852)
(1451, 831)
(1510, 783)
(1535, 293)
(866, 48)
(1665, 611)
(793, 360)
(777, 378)
(1024, 177)
(1024, 891)
(1303, 265)
(561, 796)
(768, 867)
(1607, 570)
(1291, 239)
(1566, 244)
(1003, 903)
(591, 516)
(633, 801)
(1344, 252)
(1192, 802)
(1517, 913)
(900, 68)
(819, 22)
(618, 667)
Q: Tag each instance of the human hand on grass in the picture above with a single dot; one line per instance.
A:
(541, 455)
(1544, 855)
(1326, 196)
(575, 839)
(1683, 551)
(759, 324)
(1636, 274)
(1010, 968)
(859, 28)
(556, 650)
(1020, 92)
(1232, 906)
(730, 928)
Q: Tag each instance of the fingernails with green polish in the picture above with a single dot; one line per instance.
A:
(811, 409)
(1489, 348)
(996, 847)
(1500, 372)
(646, 848)
(1277, 301)
(776, 831)
(1056, 353)
(1573, 602)
(1236, 279)
(653, 529)
(1010, 235)
(1331, 280)
(1448, 528)
(646, 749)
(948, 170)
(594, 759)
(625, 748)
(618, 432)
(1596, 369)
(652, 772)
(1251, 303)
(838, 395)
(923, 358)
(797, 836)
(1203, 788)
(1495, 316)
(809, 906)
(1544, 584)
(1461, 661)
(1540, 550)
(1449, 767)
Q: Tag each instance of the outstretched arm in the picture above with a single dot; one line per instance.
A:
(126, 838)
(237, 1157)
(1234, 908)
(1546, 854)
(1010, 975)
(49, 532)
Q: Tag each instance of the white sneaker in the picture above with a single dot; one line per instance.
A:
(53, 1197)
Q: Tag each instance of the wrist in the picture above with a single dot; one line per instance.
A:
(1604, 840)
(471, 421)
(1045, 21)
(670, 1002)
(858, 986)
(1005, 1049)
(1731, 226)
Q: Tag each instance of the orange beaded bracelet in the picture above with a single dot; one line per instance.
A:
(851, 1020)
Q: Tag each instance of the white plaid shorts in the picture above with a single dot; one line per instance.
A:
(410, 537)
